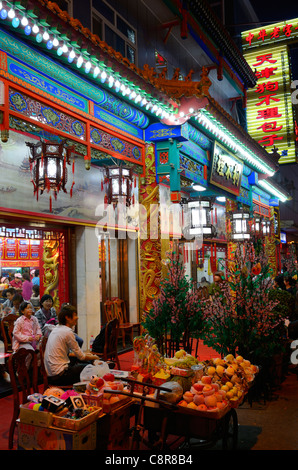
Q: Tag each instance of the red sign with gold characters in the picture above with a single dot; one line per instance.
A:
(269, 106)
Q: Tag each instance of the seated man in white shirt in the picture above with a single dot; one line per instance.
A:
(60, 368)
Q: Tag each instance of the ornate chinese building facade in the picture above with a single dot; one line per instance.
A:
(167, 134)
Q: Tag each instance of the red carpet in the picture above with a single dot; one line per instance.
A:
(126, 360)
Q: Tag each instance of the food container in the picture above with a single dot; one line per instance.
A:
(181, 372)
(198, 370)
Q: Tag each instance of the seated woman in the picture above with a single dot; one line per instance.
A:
(16, 302)
(26, 332)
(10, 292)
(60, 368)
(46, 315)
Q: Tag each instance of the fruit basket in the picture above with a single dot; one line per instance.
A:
(166, 418)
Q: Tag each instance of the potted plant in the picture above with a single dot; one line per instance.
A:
(176, 315)
(241, 317)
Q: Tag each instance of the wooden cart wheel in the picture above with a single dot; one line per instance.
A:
(230, 431)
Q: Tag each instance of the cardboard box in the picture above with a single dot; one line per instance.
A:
(113, 428)
(37, 418)
(40, 438)
(76, 424)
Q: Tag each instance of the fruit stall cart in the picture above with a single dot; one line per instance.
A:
(158, 422)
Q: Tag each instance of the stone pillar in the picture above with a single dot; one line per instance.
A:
(88, 283)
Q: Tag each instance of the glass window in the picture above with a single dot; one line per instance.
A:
(126, 30)
(104, 10)
(97, 26)
(114, 30)
(114, 40)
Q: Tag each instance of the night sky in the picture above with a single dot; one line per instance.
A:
(273, 11)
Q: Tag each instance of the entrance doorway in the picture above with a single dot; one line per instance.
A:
(118, 274)
(39, 252)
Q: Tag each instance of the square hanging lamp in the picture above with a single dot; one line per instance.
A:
(266, 227)
(201, 219)
(48, 160)
(256, 226)
(119, 180)
(240, 225)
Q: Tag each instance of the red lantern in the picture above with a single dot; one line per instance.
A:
(48, 163)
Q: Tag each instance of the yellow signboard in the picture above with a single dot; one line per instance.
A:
(271, 35)
(270, 118)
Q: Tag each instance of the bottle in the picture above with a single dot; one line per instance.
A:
(91, 342)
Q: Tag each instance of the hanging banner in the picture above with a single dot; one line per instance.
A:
(10, 248)
(34, 249)
(23, 249)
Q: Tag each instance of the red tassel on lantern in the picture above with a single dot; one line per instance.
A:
(71, 188)
(50, 203)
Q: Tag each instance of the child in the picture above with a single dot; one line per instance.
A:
(26, 332)
(35, 296)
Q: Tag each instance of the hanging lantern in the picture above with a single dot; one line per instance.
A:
(201, 218)
(48, 166)
(240, 226)
(266, 227)
(119, 181)
(256, 226)
(260, 226)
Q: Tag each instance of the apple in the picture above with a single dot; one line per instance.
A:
(198, 399)
(210, 400)
(222, 392)
(188, 396)
(202, 407)
(208, 390)
(198, 386)
(211, 370)
(221, 404)
(215, 386)
(206, 379)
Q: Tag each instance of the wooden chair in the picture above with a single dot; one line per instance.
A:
(124, 325)
(109, 310)
(24, 377)
(111, 342)
(7, 325)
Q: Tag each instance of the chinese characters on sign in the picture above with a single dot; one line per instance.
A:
(226, 170)
(269, 106)
(270, 34)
